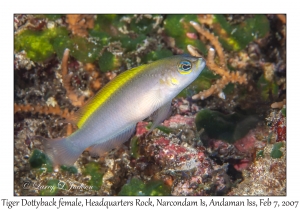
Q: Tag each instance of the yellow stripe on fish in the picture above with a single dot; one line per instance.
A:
(103, 94)
(110, 117)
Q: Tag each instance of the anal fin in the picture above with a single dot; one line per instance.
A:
(115, 142)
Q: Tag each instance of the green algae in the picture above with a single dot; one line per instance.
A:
(41, 45)
(39, 160)
(93, 170)
(131, 44)
(100, 38)
(283, 111)
(184, 41)
(53, 17)
(103, 23)
(269, 138)
(69, 169)
(83, 50)
(134, 147)
(156, 55)
(162, 128)
(109, 27)
(177, 26)
(259, 154)
(238, 36)
(51, 188)
(151, 188)
(203, 82)
(276, 153)
(60, 43)
(38, 45)
(144, 26)
(229, 128)
(229, 89)
(108, 62)
(268, 90)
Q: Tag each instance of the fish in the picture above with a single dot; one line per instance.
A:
(109, 118)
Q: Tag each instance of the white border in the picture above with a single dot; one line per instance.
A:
(191, 6)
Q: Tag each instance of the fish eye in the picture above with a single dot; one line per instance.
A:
(184, 67)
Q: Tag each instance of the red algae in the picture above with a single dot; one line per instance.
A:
(247, 143)
(177, 120)
(279, 128)
(141, 128)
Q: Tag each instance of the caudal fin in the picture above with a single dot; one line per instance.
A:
(60, 151)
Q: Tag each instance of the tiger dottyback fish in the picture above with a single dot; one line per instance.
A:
(110, 117)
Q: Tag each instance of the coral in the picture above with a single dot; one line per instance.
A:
(175, 156)
(193, 172)
(240, 155)
(117, 165)
(282, 18)
(52, 107)
(141, 128)
(79, 24)
(266, 177)
(43, 110)
(277, 122)
(96, 80)
(22, 62)
(237, 36)
(205, 19)
(176, 26)
(221, 69)
(178, 120)
(278, 105)
(75, 100)
(24, 22)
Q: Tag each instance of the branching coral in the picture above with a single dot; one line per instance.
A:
(102, 47)
(220, 69)
(43, 110)
(282, 18)
(75, 100)
(278, 105)
(95, 81)
(205, 19)
(79, 24)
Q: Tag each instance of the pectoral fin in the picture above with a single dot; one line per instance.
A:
(160, 115)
